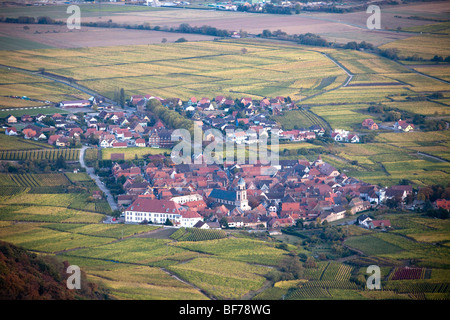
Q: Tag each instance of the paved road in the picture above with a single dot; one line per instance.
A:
(91, 173)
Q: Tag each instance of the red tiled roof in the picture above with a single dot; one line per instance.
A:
(143, 204)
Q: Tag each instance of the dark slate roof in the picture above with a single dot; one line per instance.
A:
(223, 194)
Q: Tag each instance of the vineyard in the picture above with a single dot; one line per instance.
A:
(407, 273)
(329, 271)
(194, 234)
(12, 184)
(418, 286)
(327, 275)
(300, 118)
(45, 154)
(309, 293)
(34, 180)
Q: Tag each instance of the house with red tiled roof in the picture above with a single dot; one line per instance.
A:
(369, 124)
(443, 203)
(52, 139)
(404, 126)
(140, 142)
(281, 222)
(119, 145)
(12, 131)
(379, 224)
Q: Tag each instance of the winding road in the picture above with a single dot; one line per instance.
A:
(90, 171)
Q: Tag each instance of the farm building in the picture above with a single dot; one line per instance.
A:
(75, 104)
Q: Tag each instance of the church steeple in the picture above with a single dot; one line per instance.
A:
(241, 195)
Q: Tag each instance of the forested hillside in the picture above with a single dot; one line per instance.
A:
(27, 276)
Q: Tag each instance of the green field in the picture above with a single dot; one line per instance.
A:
(19, 143)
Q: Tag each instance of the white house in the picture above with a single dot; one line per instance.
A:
(159, 211)
(189, 218)
(11, 131)
(337, 136)
(107, 143)
(364, 221)
(353, 138)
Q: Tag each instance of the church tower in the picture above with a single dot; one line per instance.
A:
(241, 196)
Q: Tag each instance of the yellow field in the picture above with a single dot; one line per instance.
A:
(184, 70)
(425, 46)
(131, 152)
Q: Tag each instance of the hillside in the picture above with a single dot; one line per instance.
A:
(27, 276)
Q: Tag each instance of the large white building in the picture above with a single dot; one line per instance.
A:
(187, 198)
(158, 211)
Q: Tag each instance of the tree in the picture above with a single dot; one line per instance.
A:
(291, 267)
(437, 59)
(61, 163)
(122, 97)
(116, 213)
(164, 40)
(224, 222)
(244, 50)
(310, 263)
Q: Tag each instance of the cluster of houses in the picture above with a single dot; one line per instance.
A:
(134, 128)
(400, 125)
(345, 136)
(64, 133)
(200, 195)
(246, 120)
(244, 196)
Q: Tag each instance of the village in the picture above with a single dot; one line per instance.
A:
(250, 196)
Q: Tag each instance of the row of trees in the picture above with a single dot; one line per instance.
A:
(35, 166)
(170, 118)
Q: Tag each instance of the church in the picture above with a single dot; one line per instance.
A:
(237, 198)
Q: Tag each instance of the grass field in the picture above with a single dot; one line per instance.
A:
(132, 152)
(19, 143)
